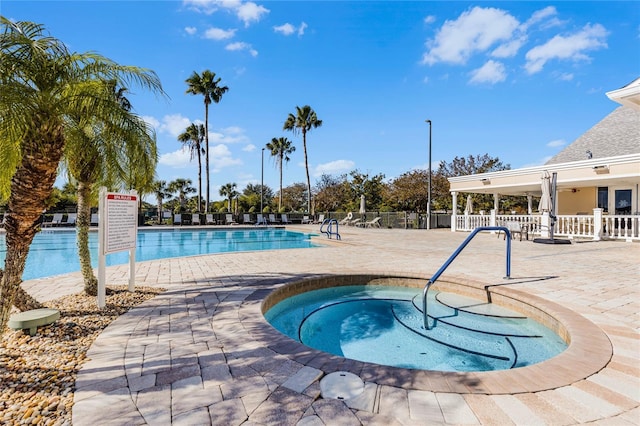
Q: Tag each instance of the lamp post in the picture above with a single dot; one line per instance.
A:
(429, 192)
(262, 183)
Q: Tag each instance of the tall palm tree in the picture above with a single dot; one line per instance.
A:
(280, 149)
(208, 85)
(103, 154)
(183, 188)
(42, 85)
(192, 139)
(228, 190)
(161, 192)
(303, 121)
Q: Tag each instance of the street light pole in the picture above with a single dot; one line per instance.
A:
(429, 196)
(262, 183)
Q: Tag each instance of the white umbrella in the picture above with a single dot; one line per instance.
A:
(363, 208)
(468, 209)
(545, 200)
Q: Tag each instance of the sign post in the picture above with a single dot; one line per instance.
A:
(117, 231)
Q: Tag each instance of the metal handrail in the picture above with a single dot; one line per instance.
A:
(329, 231)
(455, 254)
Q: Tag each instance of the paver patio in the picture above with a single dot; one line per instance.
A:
(201, 353)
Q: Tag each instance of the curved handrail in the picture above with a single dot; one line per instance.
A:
(455, 254)
(329, 231)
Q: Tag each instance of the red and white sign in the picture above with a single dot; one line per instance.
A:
(121, 224)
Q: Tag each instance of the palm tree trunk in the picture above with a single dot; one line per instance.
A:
(200, 181)
(206, 146)
(31, 185)
(84, 211)
(280, 199)
(306, 166)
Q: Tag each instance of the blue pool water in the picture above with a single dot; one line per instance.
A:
(384, 325)
(56, 252)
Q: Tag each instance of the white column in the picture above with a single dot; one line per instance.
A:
(597, 224)
(454, 210)
(529, 204)
(492, 219)
(496, 202)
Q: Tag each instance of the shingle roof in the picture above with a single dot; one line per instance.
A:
(617, 134)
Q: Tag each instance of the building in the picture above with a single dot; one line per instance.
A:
(597, 182)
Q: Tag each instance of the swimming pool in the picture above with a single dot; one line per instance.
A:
(384, 325)
(55, 252)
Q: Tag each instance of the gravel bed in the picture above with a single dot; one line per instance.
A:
(38, 373)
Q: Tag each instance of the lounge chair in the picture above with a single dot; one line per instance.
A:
(229, 219)
(195, 219)
(261, 220)
(177, 219)
(166, 216)
(69, 221)
(284, 219)
(320, 219)
(355, 222)
(305, 219)
(94, 219)
(246, 219)
(272, 218)
(55, 220)
(209, 219)
(346, 219)
(375, 223)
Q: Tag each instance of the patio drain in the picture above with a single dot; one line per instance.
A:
(341, 385)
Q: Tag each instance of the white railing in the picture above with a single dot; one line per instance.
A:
(612, 227)
(625, 227)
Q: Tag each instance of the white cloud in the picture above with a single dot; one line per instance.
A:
(228, 135)
(288, 29)
(557, 143)
(173, 124)
(491, 72)
(567, 76)
(250, 12)
(285, 29)
(334, 167)
(219, 34)
(303, 26)
(571, 47)
(220, 157)
(190, 30)
(241, 45)
(178, 159)
(476, 30)
(247, 12)
(152, 121)
(429, 19)
(249, 148)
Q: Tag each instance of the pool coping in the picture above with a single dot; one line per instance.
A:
(589, 350)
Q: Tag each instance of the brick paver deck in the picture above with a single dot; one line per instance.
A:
(201, 353)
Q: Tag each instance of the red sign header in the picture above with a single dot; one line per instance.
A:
(122, 197)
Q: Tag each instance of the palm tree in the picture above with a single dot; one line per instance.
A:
(207, 85)
(280, 149)
(101, 153)
(228, 191)
(192, 139)
(161, 192)
(182, 187)
(43, 85)
(303, 121)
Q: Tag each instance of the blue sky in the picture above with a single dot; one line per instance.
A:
(516, 80)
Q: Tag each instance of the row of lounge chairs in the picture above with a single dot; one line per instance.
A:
(350, 221)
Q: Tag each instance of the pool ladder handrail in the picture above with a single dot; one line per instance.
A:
(455, 254)
(329, 232)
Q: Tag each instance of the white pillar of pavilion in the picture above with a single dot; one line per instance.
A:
(454, 211)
